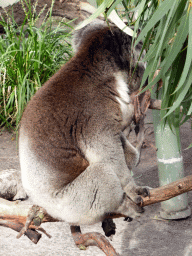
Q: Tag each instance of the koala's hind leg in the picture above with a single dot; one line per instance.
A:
(92, 195)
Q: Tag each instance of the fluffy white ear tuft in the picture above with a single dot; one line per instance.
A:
(80, 34)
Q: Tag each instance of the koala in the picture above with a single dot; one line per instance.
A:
(75, 159)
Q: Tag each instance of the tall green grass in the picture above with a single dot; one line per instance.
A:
(29, 56)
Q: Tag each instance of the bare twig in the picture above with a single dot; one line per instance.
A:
(35, 215)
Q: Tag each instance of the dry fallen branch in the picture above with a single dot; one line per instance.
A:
(92, 239)
(32, 234)
(14, 215)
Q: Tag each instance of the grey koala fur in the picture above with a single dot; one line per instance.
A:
(75, 159)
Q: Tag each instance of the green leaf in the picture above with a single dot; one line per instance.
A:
(185, 119)
(172, 77)
(100, 9)
(153, 48)
(178, 42)
(119, 23)
(161, 11)
(190, 110)
(180, 10)
(113, 6)
(147, 72)
(189, 54)
(190, 146)
(168, 19)
(181, 95)
(141, 7)
(175, 49)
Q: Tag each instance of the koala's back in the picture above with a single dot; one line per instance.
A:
(75, 106)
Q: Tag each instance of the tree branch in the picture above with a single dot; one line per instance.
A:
(32, 234)
(92, 239)
(168, 191)
(155, 104)
(14, 215)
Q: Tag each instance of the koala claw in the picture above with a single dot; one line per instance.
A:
(135, 193)
(128, 219)
(144, 191)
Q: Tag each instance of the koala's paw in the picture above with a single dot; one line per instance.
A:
(130, 209)
(132, 204)
(135, 192)
(144, 191)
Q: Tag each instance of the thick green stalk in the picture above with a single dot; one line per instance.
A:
(170, 167)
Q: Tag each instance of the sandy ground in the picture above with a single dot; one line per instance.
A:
(145, 236)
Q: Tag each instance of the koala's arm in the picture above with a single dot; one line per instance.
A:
(132, 157)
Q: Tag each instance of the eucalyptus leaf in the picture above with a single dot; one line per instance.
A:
(178, 42)
(161, 11)
(190, 146)
(180, 11)
(160, 45)
(181, 94)
(99, 10)
(139, 12)
(188, 61)
(119, 23)
(113, 6)
(190, 110)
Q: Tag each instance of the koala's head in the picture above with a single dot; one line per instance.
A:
(97, 36)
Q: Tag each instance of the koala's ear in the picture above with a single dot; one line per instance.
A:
(81, 34)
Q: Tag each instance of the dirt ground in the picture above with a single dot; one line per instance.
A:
(146, 236)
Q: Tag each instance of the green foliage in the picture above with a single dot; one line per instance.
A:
(29, 56)
(101, 9)
(166, 32)
(170, 52)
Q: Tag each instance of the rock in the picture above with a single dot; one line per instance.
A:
(10, 185)
(69, 10)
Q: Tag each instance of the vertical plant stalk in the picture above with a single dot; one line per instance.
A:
(3, 90)
(170, 167)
